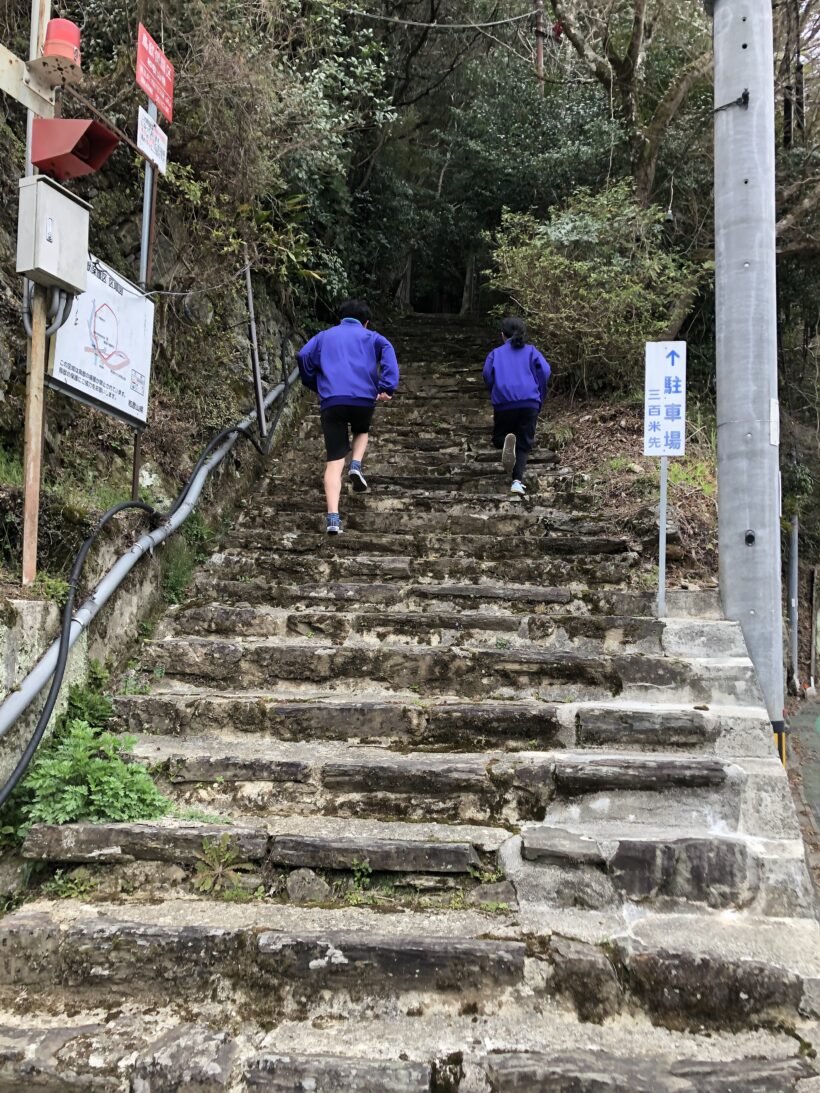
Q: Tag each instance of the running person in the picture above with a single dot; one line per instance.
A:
(351, 368)
(516, 375)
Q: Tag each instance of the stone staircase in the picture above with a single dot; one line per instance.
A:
(485, 824)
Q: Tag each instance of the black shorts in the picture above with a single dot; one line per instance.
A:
(335, 422)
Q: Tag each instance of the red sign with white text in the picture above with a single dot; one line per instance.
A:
(155, 73)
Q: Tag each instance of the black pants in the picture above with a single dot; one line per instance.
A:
(522, 423)
(335, 422)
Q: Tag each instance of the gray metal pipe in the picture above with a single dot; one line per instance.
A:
(794, 593)
(19, 701)
(748, 415)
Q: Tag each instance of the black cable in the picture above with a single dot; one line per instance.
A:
(76, 571)
(62, 656)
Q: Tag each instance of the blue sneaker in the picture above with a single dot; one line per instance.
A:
(357, 479)
(334, 524)
(518, 488)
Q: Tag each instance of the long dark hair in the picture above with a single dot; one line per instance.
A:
(515, 331)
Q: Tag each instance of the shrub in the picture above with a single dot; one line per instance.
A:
(595, 282)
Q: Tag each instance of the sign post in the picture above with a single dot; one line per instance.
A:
(155, 75)
(664, 428)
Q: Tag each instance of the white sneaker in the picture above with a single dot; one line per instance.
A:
(358, 481)
(508, 453)
(518, 488)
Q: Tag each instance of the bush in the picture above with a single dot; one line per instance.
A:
(595, 282)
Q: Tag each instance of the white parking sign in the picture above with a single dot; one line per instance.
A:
(665, 399)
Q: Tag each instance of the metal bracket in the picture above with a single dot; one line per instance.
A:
(742, 101)
(17, 80)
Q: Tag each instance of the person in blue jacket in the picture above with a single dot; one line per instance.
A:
(351, 368)
(516, 375)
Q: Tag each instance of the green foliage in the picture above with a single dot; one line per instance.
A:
(696, 474)
(595, 281)
(362, 874)
(178, 565)
(219, 866)
(11, 468)
(71, 884)
(83, 777)
(51, 588)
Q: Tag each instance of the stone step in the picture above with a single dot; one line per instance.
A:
(554, 674)
(596, 866)
(467, 482)
(335, 564)
(135, 1053)
(255, 545)
(487, 787)
(264, 509)
(401, 721)
(683, 970)
(583, 633)
(373, 520)
(300, 842)
(281, 960)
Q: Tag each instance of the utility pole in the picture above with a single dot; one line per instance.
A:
(149, 203)
(36, 351)
(748, 414)
(540, 34)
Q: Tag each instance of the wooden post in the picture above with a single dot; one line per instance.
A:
(33, 443)
(36, 353)
(539, 42)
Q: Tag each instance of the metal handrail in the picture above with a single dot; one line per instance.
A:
(52, 664)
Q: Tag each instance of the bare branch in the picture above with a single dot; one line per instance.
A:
(596, 64)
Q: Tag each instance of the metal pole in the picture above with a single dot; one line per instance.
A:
(662, 538)
(146, 240)
(794, 592)
(748, 416)
(539, 42)
(35, 352)
(257, 374)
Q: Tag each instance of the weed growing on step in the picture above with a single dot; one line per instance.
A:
(74, 884)
(218, 866)
(11, 468)
(51, 588)
(362, 874)
(178, 565)
(79, 773)
(238, 894)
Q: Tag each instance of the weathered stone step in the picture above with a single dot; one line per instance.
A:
(512, 597)
(599, 866)
(584, 633)
(341, 779)
(374, 520)
(595, 1071)
(558, 674)
(134, 1052)
(255, 545)
(401, 721)
(472, 482)
(282, 959)
(684, 970)
(334, 564)
(309, 842)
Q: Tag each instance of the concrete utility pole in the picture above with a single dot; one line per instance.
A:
(748, 414)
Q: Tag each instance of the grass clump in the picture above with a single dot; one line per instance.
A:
(11, 468)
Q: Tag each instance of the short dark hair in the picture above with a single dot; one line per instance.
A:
(355, 309)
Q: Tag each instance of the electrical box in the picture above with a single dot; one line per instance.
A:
(52, 235)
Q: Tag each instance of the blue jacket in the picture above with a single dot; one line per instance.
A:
(349, 365)
(516, 378)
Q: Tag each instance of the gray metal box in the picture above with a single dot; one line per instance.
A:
(52, 235)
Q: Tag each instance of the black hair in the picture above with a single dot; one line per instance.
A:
(355, 309)
(514, 330)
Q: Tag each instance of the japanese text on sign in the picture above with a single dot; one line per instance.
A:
(151, 141)
(155, 73)
(665, 399)
(103, 353)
